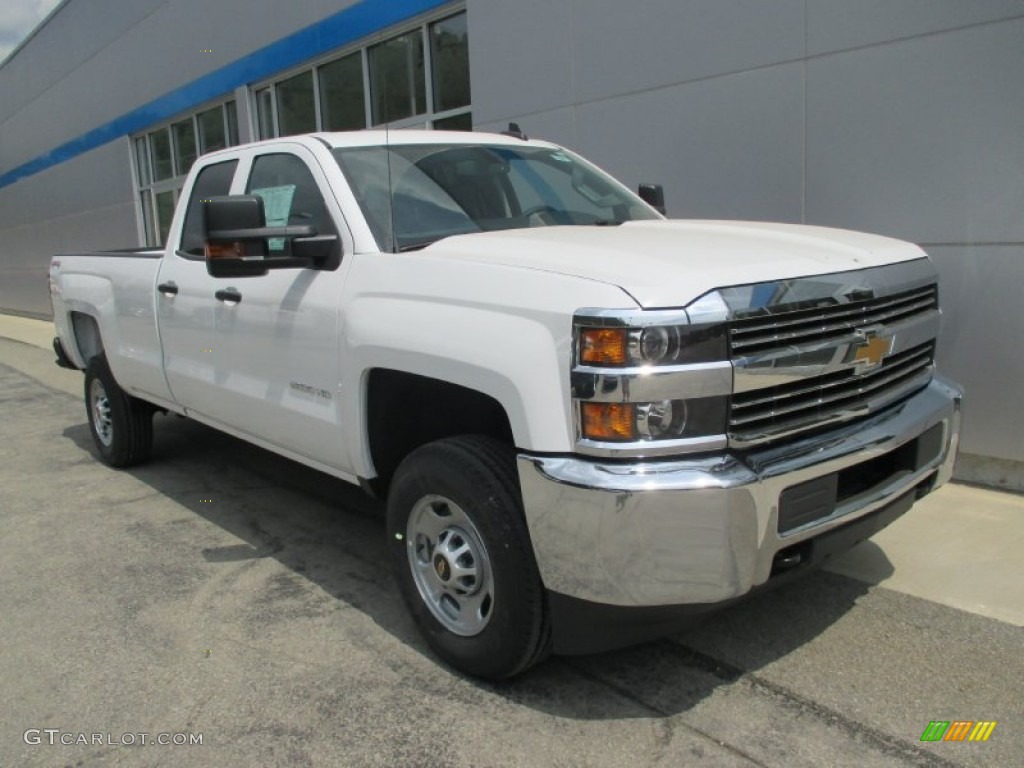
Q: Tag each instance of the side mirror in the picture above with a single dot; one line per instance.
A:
(654, 196)
(236, 237)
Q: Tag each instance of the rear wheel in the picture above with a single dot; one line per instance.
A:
(121, 425)
(462, 557)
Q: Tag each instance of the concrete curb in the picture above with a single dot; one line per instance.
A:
(38, 333)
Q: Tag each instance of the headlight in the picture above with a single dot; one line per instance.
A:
(665, 418)
(650, 382)
(657, 343)
(654, 345)
(651, 421)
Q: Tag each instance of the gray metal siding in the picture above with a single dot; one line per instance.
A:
(83, 204)
(727, 148)
(922, 139)
(982, 328)
(838, 25)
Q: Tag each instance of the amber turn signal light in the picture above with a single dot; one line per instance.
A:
(609, 421)
(604, 346)
(225, 250)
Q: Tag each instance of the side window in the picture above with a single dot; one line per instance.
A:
(213, 181)
(290, 195)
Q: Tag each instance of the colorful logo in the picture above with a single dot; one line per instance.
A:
(958, 730)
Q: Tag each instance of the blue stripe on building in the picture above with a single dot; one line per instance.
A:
(346, 26)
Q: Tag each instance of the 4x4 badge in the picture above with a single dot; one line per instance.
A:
(868, 354)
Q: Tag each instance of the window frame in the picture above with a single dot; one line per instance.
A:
(426, 119)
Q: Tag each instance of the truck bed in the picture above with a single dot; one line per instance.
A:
(111, 295)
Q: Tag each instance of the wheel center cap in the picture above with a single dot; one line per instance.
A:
(442, 568)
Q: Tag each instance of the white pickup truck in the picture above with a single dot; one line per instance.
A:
(590, 423)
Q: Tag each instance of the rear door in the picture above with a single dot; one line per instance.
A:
(185, 303)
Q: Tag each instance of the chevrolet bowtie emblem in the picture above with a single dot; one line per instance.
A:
(869, 353)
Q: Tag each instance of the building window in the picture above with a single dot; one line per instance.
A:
(165, 212)
(142, 161)
(163, 157)
(397, 82)
(449, 53)
(185, 154)
(213, 133)
(146, 206)
(460, 122)
(296, 108)
(160, 149)
(342, 95)
(265, 115)
(418, 78)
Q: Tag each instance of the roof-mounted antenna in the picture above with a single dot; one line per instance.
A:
(387, 153)
(513, 130)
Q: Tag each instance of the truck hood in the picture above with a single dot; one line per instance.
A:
(670, 263)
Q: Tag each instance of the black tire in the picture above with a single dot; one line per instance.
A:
(476, 477)
(121, 425)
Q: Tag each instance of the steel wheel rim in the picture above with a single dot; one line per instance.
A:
(450, 566)
(99, 404)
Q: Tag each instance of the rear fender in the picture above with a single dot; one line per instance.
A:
(92, 328)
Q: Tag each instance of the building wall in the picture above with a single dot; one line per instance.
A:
(901, 117)
(83, 204)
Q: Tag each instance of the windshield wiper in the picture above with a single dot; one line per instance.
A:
(607, 222)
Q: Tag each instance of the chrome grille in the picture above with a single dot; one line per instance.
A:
(762, 415)
(797, 324)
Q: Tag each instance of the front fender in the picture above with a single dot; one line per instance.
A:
(503, 331)
(517, 361)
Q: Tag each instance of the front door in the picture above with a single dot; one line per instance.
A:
(271, 367)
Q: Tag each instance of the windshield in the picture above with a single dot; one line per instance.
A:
(437, 190)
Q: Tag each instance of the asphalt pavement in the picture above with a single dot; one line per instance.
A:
(226, 594)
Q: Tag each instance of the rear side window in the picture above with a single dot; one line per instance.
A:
(290, 195)
(213, 181)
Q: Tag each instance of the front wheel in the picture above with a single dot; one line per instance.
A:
(121, 425)
(462, 557)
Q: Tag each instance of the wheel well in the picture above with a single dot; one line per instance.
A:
(405, 411)
(87, 337)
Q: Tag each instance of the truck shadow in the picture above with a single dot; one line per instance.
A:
(328, 532)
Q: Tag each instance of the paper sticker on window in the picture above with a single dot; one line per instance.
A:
(277, 207)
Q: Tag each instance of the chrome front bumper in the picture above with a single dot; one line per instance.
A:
(705, 530)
